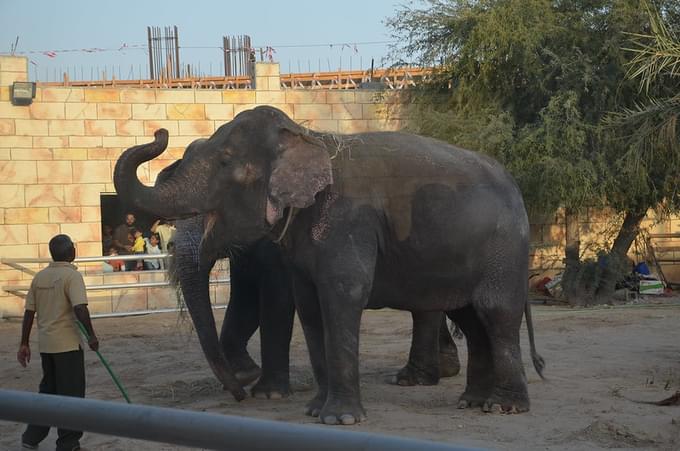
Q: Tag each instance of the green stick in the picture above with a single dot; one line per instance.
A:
(106, 364)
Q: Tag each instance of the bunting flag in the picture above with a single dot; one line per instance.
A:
(50, 54)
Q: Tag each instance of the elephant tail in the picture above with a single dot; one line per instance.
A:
(539, 362)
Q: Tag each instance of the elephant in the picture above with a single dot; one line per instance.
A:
(369, 220)
(260, 297)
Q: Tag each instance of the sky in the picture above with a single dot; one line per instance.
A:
(112, 35)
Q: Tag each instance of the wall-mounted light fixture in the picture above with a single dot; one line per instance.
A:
(23, 92)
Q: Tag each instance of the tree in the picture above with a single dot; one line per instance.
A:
(529, 82)
(647, 172)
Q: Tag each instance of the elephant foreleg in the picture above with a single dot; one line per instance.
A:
(241, 320)
(309, 311)
(277, 311)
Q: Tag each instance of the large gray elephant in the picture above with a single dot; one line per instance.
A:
(371, 220)
(260, 296)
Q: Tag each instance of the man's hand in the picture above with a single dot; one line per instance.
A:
(93, 343)
(24, 355)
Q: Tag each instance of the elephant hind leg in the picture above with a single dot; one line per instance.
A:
(510, 393)
(422, 367)
(449, 363)
(480, 371)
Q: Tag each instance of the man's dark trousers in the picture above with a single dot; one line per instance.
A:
(63, 374)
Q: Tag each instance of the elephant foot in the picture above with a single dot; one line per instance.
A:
(245, 368)
(314, 406)
(506, 402)
(411, 375)
(270, 389)
(449, 365)
(471, 399)
(247, 376)
(338, 412)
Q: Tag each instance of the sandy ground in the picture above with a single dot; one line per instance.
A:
(598, 361)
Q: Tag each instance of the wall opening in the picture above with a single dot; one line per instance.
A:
(113, 214)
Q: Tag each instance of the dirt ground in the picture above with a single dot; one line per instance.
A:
(599, 361)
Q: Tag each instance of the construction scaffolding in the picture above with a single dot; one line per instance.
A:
(163, 53)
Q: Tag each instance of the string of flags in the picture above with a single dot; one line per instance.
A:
(267, 51)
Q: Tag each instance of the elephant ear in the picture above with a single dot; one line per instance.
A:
(302, 169)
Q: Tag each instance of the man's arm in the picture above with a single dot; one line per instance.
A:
(24, 354)
(83, 315)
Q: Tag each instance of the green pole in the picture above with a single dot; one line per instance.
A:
(105, 363)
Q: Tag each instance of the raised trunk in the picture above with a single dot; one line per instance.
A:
(616, 265)
(175, 197)
(195, 288)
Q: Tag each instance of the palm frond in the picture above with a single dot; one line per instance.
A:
(656, 53)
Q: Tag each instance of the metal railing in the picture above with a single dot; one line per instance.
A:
(18, 264)
(194, 429)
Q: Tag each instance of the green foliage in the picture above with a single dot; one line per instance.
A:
(643, 138)
(530, 81)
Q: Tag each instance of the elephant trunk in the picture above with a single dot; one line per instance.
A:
(195, 289)
(169, 199)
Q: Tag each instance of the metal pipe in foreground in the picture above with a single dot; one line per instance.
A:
(195, 429)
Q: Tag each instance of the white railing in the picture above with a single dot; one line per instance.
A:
(18, 264)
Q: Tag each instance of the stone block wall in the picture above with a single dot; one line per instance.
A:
(58, 154)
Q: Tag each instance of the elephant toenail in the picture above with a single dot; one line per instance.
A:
(330, 419)
(347, 419)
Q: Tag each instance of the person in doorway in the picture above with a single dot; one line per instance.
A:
(114, 265)
(138, 247)
(121, 242)
(152, 247)
(107, 238)
(57, 294)
(166, 232)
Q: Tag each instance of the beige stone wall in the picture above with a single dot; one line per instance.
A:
(597, 230)
(58, 154)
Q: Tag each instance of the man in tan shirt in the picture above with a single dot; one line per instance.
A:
(58, 296)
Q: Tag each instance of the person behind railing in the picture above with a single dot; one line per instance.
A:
(166, 232)
(107, 238)
(121, 240)
(138, 247)
(152, 247)
(57, 294)
(113, 265)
